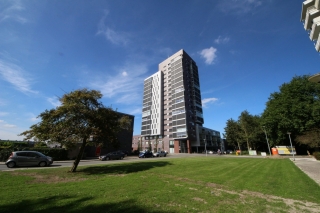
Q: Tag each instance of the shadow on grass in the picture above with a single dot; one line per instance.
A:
(70, 204)
(122, 168)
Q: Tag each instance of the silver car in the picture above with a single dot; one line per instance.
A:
(160, 154)
(28, 158)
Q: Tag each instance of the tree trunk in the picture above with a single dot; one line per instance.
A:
(77, 160)
(248, 144)
(239, 147)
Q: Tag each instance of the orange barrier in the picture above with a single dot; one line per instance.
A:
(274, 151)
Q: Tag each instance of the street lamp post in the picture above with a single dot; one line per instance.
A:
(205, 145)
(291, 145)
(265, 132)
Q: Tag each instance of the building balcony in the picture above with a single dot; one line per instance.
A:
(312, 12)
(315, 29)
(305, 6)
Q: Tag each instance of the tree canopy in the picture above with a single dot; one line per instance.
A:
(80, 118)
(296, 109)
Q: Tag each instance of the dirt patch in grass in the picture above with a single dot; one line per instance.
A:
(290, 203)
(118, 175)
(246, 196)
(48, 178)
(199, 199)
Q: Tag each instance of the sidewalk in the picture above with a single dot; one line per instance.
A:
(310, 166)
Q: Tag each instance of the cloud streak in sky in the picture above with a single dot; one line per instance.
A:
(119, 38)
(54, 101)
(222, 40)
(239, 6)
(207, 101)
(16, 76)
(12, 13)
(209, 55)
(125, 86)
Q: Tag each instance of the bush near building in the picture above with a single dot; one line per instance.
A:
(56, 154)
(316, 155)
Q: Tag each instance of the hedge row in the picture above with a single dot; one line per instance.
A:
(56, 154)
(316, 155)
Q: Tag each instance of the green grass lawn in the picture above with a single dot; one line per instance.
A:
(197, 184)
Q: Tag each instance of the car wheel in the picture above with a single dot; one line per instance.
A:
(42, 164)
(143, 156)
(121, 158)
(107, 158)
(11, 164)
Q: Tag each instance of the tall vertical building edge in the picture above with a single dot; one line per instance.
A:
(172, 115)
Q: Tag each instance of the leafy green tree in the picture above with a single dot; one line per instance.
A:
(233, 133)
(80, 118)
(250, 126)
(296, 109)
(310, 138)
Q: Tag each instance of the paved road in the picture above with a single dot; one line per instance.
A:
(310, 166)
(68, 163)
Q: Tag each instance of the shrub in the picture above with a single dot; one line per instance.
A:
(5, 153)
(56, 154)
(316, 155)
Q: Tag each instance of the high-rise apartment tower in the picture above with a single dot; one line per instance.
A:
(172, 114)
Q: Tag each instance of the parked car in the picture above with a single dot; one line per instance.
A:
(112, 156)
(146, 154)
(126, 153)
(28, 158)
(160, 154)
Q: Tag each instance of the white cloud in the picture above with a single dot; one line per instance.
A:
(136, 111)
(111, 35)
(7, 134)
(16, 76)
(124, 88)
(54, 101)
(221, 40)
(1, 121)
(209, 55)
(12, 12)
(3, 113)
(207, 101)
(9, 126)
(239, 6)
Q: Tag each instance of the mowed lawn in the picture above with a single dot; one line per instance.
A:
(199, 184)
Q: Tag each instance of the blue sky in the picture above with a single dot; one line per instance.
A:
(244, 49)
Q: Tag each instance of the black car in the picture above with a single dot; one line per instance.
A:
(112, 156)
(126, 153)
(146, 154)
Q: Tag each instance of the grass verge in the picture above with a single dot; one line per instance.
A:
(167, 185)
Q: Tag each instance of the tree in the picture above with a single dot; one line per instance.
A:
(80, 118)
(310, 138)
(233, 133)
(248, 125)
(295, 108)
